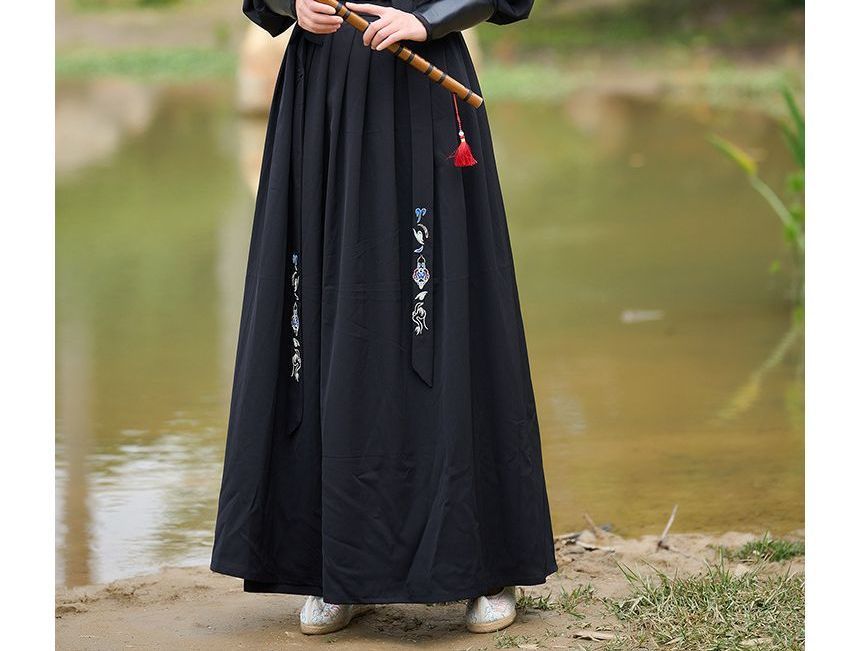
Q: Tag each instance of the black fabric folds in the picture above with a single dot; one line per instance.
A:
(366, 461)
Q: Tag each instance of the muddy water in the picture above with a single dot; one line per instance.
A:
(663, 360)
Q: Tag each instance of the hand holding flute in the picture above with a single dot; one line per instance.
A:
(391, 27)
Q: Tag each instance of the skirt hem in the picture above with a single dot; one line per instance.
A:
(264, 587)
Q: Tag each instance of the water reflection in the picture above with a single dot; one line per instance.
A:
(94, 119)
(658, 341)
(74, 411)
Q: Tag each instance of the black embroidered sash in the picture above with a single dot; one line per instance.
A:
(422, 218)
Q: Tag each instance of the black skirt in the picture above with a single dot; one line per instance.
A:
(383, 444)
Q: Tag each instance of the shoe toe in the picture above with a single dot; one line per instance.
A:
(479, 611)
(488, 614)
(311, 611)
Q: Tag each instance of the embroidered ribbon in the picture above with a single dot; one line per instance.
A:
(421, 226)
(291, 337)
(296, 322)
(421, 292)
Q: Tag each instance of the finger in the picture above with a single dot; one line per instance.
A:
(391, 39)
(321, 30)
(382, 34)
(325, 21)
(319, 7)
(374, 10)
(372, 29)
(317, 27)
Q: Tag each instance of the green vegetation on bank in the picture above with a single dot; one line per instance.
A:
(565, 26)
(723, 86)
(722, 608)
(568, 602)
(175, 64)
(767, 549)
(789, 208)
(122, 4)
(716, 609)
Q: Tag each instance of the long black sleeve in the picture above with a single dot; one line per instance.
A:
(510, 11)
(282, 7)
(441, 17)
(275, 16)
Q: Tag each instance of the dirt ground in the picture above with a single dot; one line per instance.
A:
(192, 608)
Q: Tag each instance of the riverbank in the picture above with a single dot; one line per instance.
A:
(735, 588)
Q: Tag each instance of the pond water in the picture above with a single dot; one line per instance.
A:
(665, 368)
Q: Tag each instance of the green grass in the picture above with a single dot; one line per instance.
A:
(504, 640)
(159, 64)
(714, 610)
(767, 549)
(529, 602)
(567, 602)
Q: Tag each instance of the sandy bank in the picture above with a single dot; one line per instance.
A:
(192, 608)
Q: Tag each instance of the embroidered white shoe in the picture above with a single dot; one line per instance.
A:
(317, 617)
(493, 613)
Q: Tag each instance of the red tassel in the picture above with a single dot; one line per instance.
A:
(463, 156)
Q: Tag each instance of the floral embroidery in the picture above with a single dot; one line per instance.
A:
(294, 321)
(421, 274)
(419, 314)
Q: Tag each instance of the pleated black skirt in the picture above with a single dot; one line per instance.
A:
(383, 443)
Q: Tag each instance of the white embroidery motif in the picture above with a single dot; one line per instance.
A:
(294, 321)
(419, 314)
(421, 274)
(421, 233)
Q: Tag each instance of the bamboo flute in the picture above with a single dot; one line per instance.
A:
(405, 54)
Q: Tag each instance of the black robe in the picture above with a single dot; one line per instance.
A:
(383, 444)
